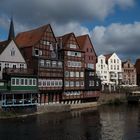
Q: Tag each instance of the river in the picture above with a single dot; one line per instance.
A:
(104, 123)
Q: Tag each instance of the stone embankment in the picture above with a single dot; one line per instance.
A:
(112, 98)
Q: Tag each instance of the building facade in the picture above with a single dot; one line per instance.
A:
(18, 85)
(129, 73)
(109, 69)
(92, 81)
(39, 47)
(137, 66)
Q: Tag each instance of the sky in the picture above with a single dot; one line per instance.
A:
(113, 25)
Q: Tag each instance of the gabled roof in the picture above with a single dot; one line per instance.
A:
(107, 56)
(65, 38)
(30, 38)
(82, 39)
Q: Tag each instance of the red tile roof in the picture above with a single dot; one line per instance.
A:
(30, 38)
(82, 39)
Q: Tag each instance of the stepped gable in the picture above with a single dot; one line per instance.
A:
(30, 38)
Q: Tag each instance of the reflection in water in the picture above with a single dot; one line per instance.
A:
(106, 123)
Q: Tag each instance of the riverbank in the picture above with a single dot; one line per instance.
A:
(105, 98)
(112, 98)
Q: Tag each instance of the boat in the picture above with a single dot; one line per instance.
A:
(133, 96)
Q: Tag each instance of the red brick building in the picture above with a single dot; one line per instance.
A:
(39, 47)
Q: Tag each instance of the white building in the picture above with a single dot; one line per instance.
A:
(10, 55)
(109, 68)
(102, 69)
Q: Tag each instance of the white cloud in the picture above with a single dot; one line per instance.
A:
(121, 38)
(68, 28)
(36, 12)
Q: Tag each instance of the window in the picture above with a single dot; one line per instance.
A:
(111, 67)
(41, 62)
(14, 66)
(71, 74)
(66, 74)
(71, 84)
(17, 81)
(72, 46)
(81, 74)
(91, 73)
(101, 66)
(101, 61)
(91, 83)
(21, 66)
(26, 81)
(114, 61)
(56, 83)
(74, 64)
(60, 64)
(48, 63)
(36, 51)
(52, 83)
(82, 83)
(77, 74)
(44, 83)
(77, 84)
(30, 81)
(90, 65)
(60, 83)
(117, 67)
(53, 63)
(48, 83)
(13, 82)
(34, 82)
(22, 82)
(13, 52)
(6, 65)
(97, 83)
(67, 83)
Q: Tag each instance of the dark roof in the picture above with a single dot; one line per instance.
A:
(108, 56)
(11, 31)
(3, 45)
(30, 38)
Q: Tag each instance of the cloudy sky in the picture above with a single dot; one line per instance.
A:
(113, 25)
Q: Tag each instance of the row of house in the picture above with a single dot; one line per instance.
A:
(37, 68)
(113, 71)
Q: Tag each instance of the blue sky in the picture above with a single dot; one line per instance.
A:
(113, 25)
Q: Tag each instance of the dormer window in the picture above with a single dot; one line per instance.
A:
(13, 52)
